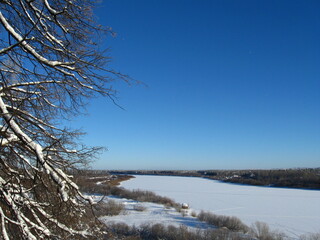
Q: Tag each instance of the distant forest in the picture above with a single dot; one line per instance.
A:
(306, 178)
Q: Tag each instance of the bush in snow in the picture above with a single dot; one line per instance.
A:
(142, 196)
(261, 231)
(139, 208)
(313, 236)
(160, 231)
(193, 214)
(109, 208)
(231, 223)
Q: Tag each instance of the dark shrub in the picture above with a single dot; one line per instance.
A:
(231, 223)
(109, 208)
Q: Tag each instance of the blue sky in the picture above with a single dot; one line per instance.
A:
(230, 85)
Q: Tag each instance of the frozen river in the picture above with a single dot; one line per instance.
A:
(292, 211)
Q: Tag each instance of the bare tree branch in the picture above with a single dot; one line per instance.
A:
(50, 65)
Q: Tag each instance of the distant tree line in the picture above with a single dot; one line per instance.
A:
(308, 178)
(292, 178)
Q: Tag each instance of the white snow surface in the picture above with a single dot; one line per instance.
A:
(153, 214)
(292, 211)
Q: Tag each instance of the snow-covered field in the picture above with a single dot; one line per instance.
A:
(293, 211)
(152, 214)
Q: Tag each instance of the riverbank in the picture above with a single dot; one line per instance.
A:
(302, 178)
(141, 206)
(293, 211)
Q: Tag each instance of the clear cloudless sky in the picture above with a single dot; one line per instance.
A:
(229, 84)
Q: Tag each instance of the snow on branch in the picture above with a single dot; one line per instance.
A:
(50, 66)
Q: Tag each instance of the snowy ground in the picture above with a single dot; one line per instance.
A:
(293, 211)
(153, 213)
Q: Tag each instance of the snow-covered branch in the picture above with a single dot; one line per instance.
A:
(49, 67)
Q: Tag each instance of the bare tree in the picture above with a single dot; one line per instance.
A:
(50, 65)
